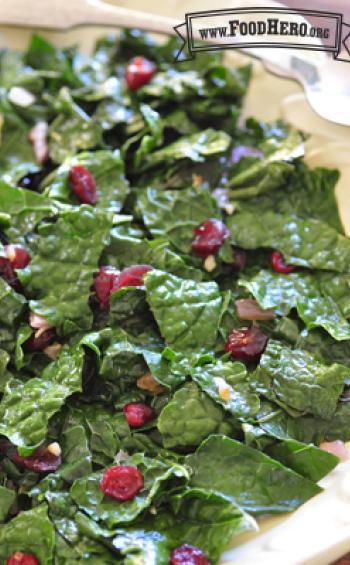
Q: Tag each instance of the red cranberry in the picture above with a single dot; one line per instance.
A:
(139, 71)
(7, 272)
(122, 482)
(20, 558)
(131, 276)
(104, 283)
(209, 237)
(137, 414)
(188, 555)
(279, 265)
(83, 184)
(41, 461)
(17, 255)
(39, 341)
(246, 344)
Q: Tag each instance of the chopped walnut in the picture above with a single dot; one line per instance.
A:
(55, 449)
(147, 382)
(209, 263)
(53, 350)
(197, 180)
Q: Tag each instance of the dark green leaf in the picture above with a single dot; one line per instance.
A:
(167, 214)
(307, 460)
(30, 532)
(252, 480)
(75, 241)
(88, 496)
(27, 406)
(189, 417)
(304, 292)
(305, 242)
(299, 381)
(187, 313)
(107, 169)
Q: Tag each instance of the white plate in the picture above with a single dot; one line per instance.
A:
(319, 531)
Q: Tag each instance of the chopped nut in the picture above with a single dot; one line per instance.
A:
(54, 448)
(197, 180)
(148, 382)
(21, 97)
(52, 350)
(209, 263)
(38, 138)
(224, 388)
(153, 510)
(229, 208)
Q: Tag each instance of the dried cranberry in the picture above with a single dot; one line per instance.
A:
(83, 184)
(188, 555)
(41, 461)
(209, 237)
(239, 259)
(137, 414)
(139, 71)
(246, 344)
(39, 341)
(7, 272)
(17, 255)
(20, 558)
(131, 276)
(122, 482)
(104, 283)
(279, 265)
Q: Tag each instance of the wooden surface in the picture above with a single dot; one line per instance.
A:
(343, 561)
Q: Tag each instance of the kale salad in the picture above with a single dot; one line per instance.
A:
(174, 294)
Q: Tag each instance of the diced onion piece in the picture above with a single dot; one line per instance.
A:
(38, 322)
(38, 138)
(336, 448)
(249, 309)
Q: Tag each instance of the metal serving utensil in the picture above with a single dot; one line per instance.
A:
(322, 78)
